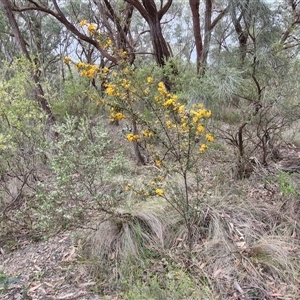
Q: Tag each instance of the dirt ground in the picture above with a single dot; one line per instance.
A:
(45, 270)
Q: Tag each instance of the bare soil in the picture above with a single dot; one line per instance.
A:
(45, 270)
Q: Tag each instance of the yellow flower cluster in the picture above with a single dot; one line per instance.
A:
(200, 129)
(203, 148)
(162, 89)
(67, 60)
(159, 192)
(149, 79)
(116, 116)
(92, 28)
(169, 123)
(83, 23)
(107, 44)
(171, 101)
(87, 70)
(110, 89)
(168, 100)
(125, 83)
(128, 187)
(132, 137)
(187, 122)
(200, 113)
(158, 163)
(209, 137)
(147, 133)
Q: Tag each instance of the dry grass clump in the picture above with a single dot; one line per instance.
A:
(245, 244)
(128, 236)
(251, 250)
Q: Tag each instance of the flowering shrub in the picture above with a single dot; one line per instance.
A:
(165, 132)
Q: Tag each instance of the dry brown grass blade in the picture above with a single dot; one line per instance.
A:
(248, 243)
(126, 234)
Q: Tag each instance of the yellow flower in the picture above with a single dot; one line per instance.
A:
(119, 116)
(132, 137)
(147, 133)
(203, 148)
(149, 79)
(168, 123)
(80, 66)
(108, 44)
(158, 163)
(161, 85)
(128, 187)
(83, 73)
(92, 71)
(157, 99)
(125, 84)
(180, 109)
(83, 22)
(159, 192)
(116, 116)
(110, 90)
(208, 113)
(67, 59)
(200, 128)
(92, 28)
(184, 127)
(175, 98)
(162, 89)
(168, 103)
(105, 70)
(209, 137)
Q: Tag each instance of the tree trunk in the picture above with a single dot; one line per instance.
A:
(160, 47)
(207, 32)
(202, 43)
(242, 34)
(149, 12)
(194, 5)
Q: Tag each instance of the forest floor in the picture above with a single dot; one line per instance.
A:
(45, 270)
(54, 269)
(251, 253)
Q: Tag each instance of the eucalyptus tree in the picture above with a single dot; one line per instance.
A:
(8, 47)
(39, 92)
(288, 14)
(202, 37)
(113, 19)
(153, 16)
(257, 77)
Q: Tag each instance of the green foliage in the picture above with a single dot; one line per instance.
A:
(286, 184)
(172, 134)
(4, 281)
(20, 114)
(75, 99)
(22, 142)
(82, 167)
(170, 284)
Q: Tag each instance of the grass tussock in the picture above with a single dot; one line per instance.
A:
(241, 248)
(122, 235)
(125, 239)
(251, 249)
